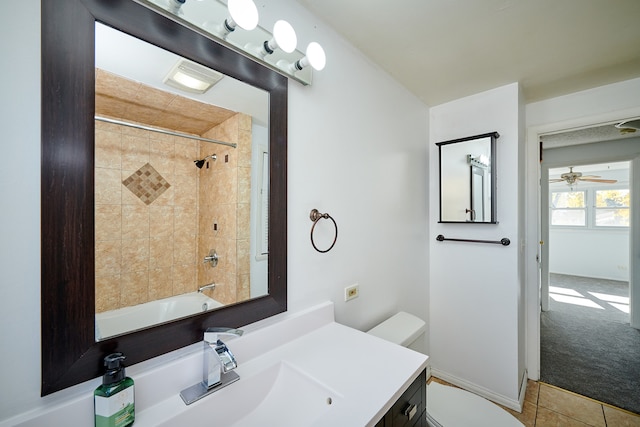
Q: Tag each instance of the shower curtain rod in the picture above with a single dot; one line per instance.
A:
(166, 132)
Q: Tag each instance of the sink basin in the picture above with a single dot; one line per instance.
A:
(281, 394)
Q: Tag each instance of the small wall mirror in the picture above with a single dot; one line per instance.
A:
(468, 179)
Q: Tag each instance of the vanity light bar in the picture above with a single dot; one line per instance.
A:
(261, 45)
(478, 161)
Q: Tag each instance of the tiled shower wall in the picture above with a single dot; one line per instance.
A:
(224, 214)
(147, 244)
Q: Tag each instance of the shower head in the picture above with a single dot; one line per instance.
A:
(200, 163)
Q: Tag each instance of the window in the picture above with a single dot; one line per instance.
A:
(262, 228)
(568, 208)
(612, 208)
(592, 208)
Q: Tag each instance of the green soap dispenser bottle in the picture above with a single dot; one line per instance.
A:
(114, 399)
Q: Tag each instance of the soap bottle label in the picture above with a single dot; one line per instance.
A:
(116, 410)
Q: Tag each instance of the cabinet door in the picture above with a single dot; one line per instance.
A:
(385, 421)
(410, 409)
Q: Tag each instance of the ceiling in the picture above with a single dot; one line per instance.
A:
(599, 133)
(145, 66)
(446, 49)
(132, 101)
(442, 50)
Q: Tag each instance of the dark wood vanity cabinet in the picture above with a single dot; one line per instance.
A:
(410, 410)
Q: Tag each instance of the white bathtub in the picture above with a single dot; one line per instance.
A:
(121, 320)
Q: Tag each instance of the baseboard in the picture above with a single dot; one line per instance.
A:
(507, 402)
(523, 390)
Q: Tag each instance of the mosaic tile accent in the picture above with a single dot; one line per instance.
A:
(146, 183)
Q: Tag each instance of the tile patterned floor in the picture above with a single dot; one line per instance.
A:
(549, 406)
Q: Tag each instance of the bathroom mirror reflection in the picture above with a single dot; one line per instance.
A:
(467, 179)
(70, 352)
(167, 195)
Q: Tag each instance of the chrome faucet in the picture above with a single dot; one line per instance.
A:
(218, 359)
(209, 286)
(218, 365)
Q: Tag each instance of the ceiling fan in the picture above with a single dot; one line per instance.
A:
(572, 178)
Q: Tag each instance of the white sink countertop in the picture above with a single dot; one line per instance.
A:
(299, 368)
(356, 377)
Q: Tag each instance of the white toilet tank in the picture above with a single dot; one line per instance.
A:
(404, 329)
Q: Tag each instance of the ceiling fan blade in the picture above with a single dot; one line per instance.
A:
(556, 180)
(590, 176)
(604, 181)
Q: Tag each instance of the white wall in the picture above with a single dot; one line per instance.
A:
(599, 252)
(357, 149)
(603, 254)
(604, 103)
(20, 214)
(475, 289)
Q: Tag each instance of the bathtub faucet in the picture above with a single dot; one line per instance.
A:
(209, 286)
(218, 365)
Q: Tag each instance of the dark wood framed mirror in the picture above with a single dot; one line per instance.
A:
(70, 352)
(467, 171)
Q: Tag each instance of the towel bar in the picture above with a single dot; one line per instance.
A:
(504, 241)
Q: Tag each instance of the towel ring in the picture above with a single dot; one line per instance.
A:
(316, 216)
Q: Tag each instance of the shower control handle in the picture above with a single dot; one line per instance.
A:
(212, 258)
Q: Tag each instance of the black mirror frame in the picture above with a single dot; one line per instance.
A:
(493, 136)
(70, 353)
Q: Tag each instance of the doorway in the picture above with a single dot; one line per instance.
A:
(587, 217)
(586, 343)
(595, 151)
(607, 105)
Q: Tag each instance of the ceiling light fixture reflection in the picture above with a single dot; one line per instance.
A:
(284, 37)
(192, 77)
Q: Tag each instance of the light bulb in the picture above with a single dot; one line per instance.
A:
(284, 36)
(315, 55)
(244, 13)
